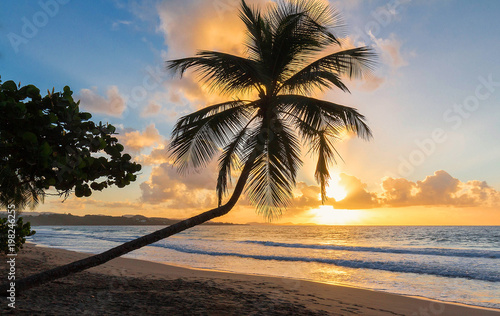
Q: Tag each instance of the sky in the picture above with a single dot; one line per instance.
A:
(432, 103)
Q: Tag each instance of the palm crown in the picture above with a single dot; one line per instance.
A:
(281, 64)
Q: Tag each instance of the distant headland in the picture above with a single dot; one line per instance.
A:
(53, 219)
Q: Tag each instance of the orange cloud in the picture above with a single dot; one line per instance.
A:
(357, 195)
(157, 156)
(308, 196)
(189, 26)
(194, 190)
(440, 189)
(135, 141)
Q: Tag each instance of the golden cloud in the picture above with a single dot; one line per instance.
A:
(135, 141)
(440, 189)
(193, 190)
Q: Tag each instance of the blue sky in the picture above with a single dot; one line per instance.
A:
(434, 57)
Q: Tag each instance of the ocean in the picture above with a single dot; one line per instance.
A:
(455, 264)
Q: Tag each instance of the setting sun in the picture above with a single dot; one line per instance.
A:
(335, 190)
(327, 215)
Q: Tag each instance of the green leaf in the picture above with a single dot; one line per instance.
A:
(45, 149)
(33, 92)
(67, 91)
(103, 144)
(9, 86)
(30, 137)
(85, 116)
(82, 164)
(21, 107)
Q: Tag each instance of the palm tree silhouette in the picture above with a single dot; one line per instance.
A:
(260, 137)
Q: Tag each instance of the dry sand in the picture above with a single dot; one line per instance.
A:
(135, 287)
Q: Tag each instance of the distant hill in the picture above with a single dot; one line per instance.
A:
(101, 220)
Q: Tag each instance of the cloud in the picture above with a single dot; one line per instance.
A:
(357, 195)
(113, 105)
(390, 49)
(116, 24)
(92, 205)
(157, 156)
(371, 82)
(440, 189)
(307, 196)
(194, 190)
(135, 141)
(151, 109)
(213, 25)
(398, 191)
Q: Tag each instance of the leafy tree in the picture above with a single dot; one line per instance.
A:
(21, 231)
(47, 146)
(48, 143)
(260, 137)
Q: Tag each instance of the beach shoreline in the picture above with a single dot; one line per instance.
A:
(130, 286)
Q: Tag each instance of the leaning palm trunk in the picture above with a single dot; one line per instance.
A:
(80, 265)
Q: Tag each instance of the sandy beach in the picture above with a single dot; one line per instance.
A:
(135, 287)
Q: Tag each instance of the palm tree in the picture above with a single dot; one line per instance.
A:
(260, 137)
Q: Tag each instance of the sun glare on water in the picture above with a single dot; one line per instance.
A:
(327, 215)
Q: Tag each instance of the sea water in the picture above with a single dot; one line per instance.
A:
(456, 264)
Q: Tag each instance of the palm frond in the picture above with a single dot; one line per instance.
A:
(230, 159)
(323, 148)
(269, 187)
(259, 41)
(224, 73)
(288, 147)
(325, 72)
(307, 80)
(197, 137)
(317, 113)
(320, 123)
(272, 179)
(300, 28)
(22, 195)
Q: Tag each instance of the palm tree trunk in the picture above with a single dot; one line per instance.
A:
(80, 265)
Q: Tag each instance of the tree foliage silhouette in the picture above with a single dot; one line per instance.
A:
(47, 143)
